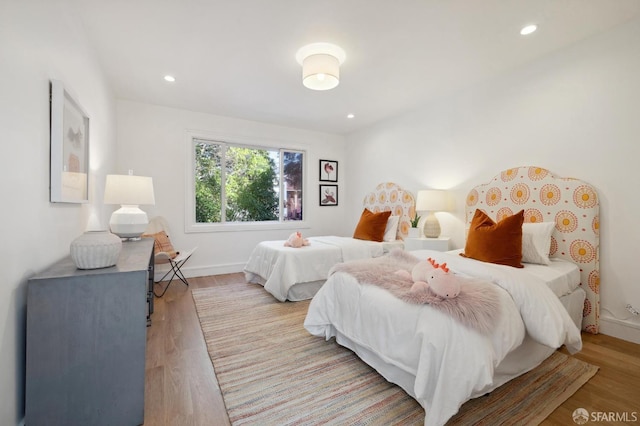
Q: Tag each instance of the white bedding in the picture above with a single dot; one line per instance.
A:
(279, 268)
(561, 276)
(450, 363)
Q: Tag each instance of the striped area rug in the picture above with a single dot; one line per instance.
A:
(271, 371)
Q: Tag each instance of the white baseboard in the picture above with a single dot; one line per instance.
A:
(202, 271)
(216, 269)
(628, 329)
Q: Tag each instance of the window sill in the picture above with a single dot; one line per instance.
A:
(244, 226)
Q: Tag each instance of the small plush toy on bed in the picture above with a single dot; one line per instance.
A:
(429, 274)
(296, 241)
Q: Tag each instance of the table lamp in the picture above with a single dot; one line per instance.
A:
(431, 200)
(129, 222)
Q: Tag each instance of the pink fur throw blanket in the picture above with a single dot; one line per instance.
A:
(477, 306)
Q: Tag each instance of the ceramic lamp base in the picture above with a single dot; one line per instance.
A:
(431, 226)
(128, 222)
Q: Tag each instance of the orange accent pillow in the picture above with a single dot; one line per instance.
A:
(162, 243)
(371, 225)
(492, 242)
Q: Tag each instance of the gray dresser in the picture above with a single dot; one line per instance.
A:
(86, 340)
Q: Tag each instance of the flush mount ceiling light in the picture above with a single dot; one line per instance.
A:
(320, 65)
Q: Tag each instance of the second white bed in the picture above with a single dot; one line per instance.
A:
(296, 273)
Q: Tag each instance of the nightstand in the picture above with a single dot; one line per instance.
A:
(439, 244)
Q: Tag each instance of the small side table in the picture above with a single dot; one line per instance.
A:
(439, 244)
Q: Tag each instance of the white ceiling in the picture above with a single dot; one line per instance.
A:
(237, 57)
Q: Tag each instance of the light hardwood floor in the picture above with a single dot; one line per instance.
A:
(181, 388)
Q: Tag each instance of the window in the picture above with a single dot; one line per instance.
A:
(236, 183)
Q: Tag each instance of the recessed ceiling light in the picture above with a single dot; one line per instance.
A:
(169, 78)
(350, 116)
(528, 29)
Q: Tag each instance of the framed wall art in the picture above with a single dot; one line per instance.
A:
(69, 138)
(328, 171)
(328, 195)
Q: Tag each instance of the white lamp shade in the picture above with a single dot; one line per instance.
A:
(320, 65)
(432, 200)
(129, 189)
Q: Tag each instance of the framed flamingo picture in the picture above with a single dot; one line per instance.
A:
(328, 171)
(328, 195)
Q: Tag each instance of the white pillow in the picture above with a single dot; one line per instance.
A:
(536, 242)
(392, 228)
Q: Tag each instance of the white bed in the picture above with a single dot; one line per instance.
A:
(297, 273)
(434, 364)
(442, 363)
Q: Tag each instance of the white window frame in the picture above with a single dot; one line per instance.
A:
(191, 226)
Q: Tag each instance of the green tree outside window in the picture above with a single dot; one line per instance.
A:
(247, 188)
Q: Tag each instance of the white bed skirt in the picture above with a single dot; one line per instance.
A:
(524, 358)
(296, 293)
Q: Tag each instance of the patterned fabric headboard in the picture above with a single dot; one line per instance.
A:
(390, 197)
(572, 204)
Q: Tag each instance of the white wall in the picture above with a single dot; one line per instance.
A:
(38, 42)
(153, 141)
(575, 113)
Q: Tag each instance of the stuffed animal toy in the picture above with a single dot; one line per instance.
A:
(429, 274)
(296, 241)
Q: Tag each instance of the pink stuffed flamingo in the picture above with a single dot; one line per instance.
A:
(296, 241)
(429, 274)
